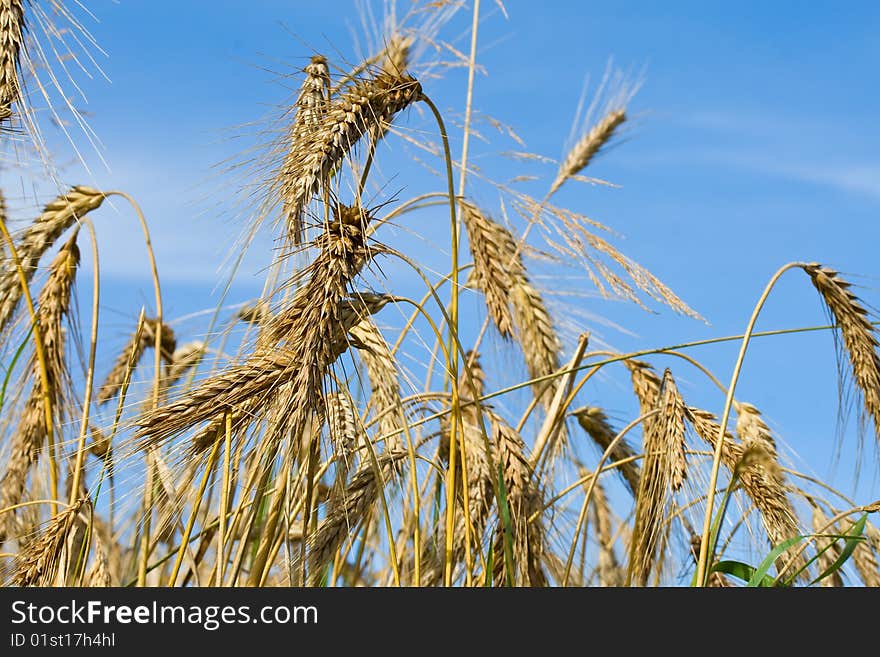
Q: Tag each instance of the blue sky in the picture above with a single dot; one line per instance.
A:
(753, 143)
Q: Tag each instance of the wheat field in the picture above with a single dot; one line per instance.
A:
(350, 427)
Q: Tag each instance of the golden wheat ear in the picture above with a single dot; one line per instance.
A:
(347, 511)
(34, 430)
(38, 238)
(859, 336)
(142, 339)
(762, 480)
(39, 562)
(367, 104)
(663, 473)
(11, 43)
(595, 423)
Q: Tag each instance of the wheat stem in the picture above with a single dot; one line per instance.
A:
(704, 556)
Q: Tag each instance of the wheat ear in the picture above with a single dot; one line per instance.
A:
(859, 338)
(36, 239)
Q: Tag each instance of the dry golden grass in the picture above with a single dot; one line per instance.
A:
(293, 440)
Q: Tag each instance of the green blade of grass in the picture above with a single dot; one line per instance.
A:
(853, 538)
(760, 572)
(15, 357)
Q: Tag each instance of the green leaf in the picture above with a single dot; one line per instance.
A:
(738, 569)
(504, 512)
(758, 576)
(15, 358)
(853, 538)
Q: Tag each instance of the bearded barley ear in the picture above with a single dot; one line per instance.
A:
(52, 307)
(382, 374)
(588, 146)
(395, 61)
(38, 563)
(762, 481)
(524, 500)
(36, 239)
(751, 428)
(289, 377)
(646, 386)
(311, 106)
(827, 548)
(98, 575)
(12, 26)
(864, 559)
(346, 434)
(142, 339)
(537, 335)
(610, 572)
(663, 473)
(595, 423)
(496, 264)
(859, 339)
(365, 105)
(346, 513)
